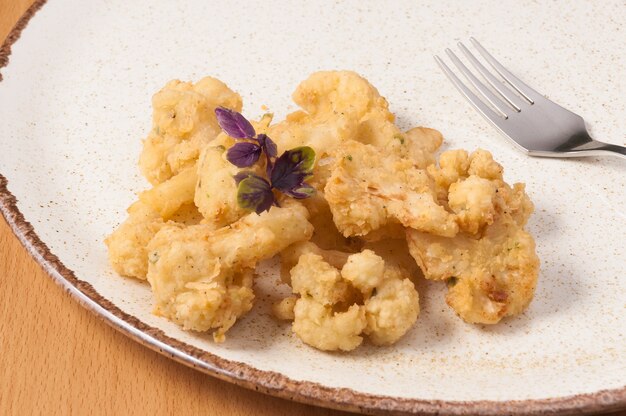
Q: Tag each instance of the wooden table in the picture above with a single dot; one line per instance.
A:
(58, 358)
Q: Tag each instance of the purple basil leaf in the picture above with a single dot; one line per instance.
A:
(234, 124)
(255, 194)
(303, 191)
(292, 168)
(244, 154)
(268, 145)
(242, 175)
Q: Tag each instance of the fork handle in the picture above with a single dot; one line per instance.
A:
(593, 147)
(601, 148)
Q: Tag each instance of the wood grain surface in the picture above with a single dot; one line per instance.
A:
(58, 358)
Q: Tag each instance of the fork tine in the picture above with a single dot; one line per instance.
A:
(480, 87)
(511, 98)
(520, 86)
(469, 95)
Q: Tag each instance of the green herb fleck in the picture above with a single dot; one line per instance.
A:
(399, 137)
(452, 281)
(349, 157)
(220, 148)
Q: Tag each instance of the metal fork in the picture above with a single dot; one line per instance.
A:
(537, 126)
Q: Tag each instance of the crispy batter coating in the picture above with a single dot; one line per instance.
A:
(330, 92)
(473, 202)
(491, 266)
(488, 278)
(318, 326)
(337, 306)
(313, 278)
(283, 309)
(167, 197)
(393, 310)
(128, 254)
(201, 277)
(364, 270)
(326, 235)
(183, 123)
(472, 187)
(339, 106)
(167, 202)
(290, 256)
(369, 189)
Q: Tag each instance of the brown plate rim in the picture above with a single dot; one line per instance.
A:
(244, 375)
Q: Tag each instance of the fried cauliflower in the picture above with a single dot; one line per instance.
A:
(201, 278)
(490, 266)
(383, 213)
(368, 190)
(167, 202)
(128, 254)
(336, 307)
(183, 123)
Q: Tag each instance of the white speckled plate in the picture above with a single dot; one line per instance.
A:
(75, 102)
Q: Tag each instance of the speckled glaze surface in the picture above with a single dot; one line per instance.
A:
(75, 102)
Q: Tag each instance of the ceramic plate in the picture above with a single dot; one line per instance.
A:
(75, 102)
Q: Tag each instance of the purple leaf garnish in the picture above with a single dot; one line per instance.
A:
(242, 175)
(304, 191)
(269, 147)
(244, 154)
(255, 194)
(234, 124)
(292, 168)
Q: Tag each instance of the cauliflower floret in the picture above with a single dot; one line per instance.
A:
(473, 202)
(488, 278)
(368, 190)
(313, 277)
(199, 276)
(453, 165)
(318, 326)
(337, 92)
(393, 310)
(491, 266)
(127, 244)
(338, 106)
(417, 145)
(472, 187)
(183, 123)
(481, 164)
(337, 305)
(290, 256)
(171, 199)
(364, 270)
